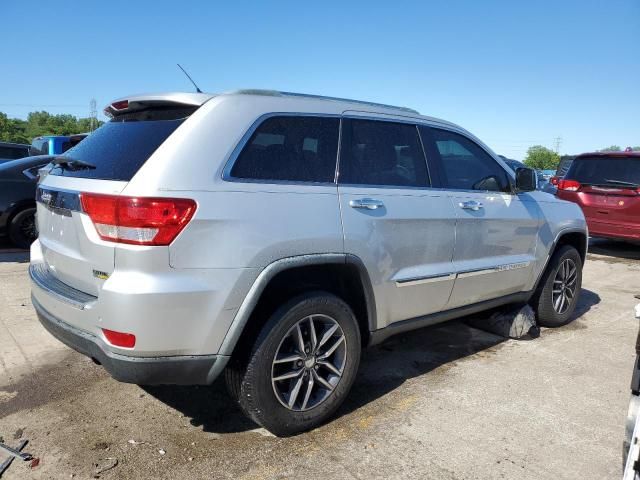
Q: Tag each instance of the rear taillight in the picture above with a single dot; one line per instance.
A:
(554, 180)
(137, 220)
(120, 339)
(569, 185)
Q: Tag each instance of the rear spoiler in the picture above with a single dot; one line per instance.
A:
(134, 103)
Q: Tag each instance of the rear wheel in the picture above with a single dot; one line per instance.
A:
(301, 366)
(22, 229)
(560, 288)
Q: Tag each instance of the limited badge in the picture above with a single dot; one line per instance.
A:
(100, 275)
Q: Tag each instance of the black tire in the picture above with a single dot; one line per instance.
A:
(22, 229)
(543, 301)
(249, 381)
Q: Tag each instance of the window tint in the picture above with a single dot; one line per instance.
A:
(13, 153)
(302, 149)
(563, 167)
(39, 147)
(382, 153)
(605, 170)
(121, 146)
(466, 166)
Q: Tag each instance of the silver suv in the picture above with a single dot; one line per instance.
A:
(271, 236)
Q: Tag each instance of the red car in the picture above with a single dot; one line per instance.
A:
(607, 187)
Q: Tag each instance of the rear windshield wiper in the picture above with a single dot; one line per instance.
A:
(69, 163)
(621, 182)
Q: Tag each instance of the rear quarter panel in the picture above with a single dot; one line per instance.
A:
(247, 225)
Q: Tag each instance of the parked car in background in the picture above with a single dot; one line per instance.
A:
(547, 174)
(515, 165)
(55, 144)
(12, 151)
(273, 235)
(511, 163)
(561, 171)
(18, 180)
(544, 181)
(606, 185)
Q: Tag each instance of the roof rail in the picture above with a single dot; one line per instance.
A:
(275, 93)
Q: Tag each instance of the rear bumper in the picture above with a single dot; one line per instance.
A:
(176, 370)
(613, 230)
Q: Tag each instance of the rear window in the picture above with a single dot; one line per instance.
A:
(296, 149)
(605, 170)
(121, 146)
(563, 167)
(39, 147)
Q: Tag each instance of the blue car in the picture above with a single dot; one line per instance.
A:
(54, 144)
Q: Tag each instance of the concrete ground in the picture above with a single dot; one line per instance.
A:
(448, 402)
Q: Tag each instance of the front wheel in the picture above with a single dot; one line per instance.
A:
(301, 366)
(560, 287)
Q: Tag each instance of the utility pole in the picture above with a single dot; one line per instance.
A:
(557, 142)
(93, 114)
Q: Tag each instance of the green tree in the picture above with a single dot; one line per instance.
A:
(41, 123)
(541, 158)
(12, 130)
(612, 148)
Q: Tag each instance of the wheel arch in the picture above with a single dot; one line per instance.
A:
(341, 274)
(577, 238)
(16, 208)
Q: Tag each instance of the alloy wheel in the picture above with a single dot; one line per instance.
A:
(309, 362)
(28, 227)
(564, 286)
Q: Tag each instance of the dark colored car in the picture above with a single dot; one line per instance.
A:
(607, 187)
(511, 163)
(55, 144)
(18, 181)
(12, 151)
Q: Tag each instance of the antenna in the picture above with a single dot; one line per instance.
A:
(189, 77)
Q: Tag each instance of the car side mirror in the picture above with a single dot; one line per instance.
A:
(526, 179)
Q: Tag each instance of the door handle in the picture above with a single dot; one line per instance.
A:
(366, 203)
(471, 205)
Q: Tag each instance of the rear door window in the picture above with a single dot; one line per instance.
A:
(382, 153)
(290, 148)
(611, 171)
(121, 146)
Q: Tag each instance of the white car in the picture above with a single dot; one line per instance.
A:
(273, 235)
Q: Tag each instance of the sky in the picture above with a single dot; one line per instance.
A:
(513, 73)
